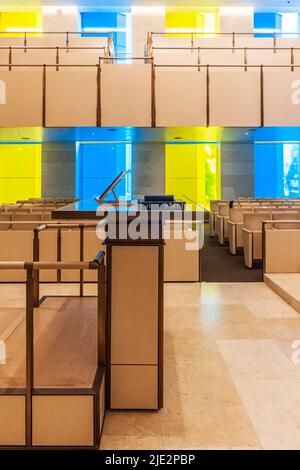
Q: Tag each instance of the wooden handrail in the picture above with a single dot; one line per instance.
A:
(12, 265)
(204, 48)
(45, 33)
(54, 48)
(220, 33)
(40, 265)
(66, 225)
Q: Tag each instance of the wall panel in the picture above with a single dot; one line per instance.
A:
(235, 98)
(21, 98)
(20, 171)
(71, 97)
(126, 95)
(282, 97)
(180, 98)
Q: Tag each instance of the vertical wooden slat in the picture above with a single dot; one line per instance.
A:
(101, 316)
(81, 248)
(98, 124)
(36, 273)
(44, 96)
(207, 97)
(262, 109)
(153, 98)
(29, 351)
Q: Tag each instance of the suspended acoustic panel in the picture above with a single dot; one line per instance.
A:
(172, 50)
(269, 57)
(234, 98)
(80, 56)
(219, 51)
(221, 57)
(175, 57)
(83, 50)
(4, 59)
(21, 97)
(47, 40)
(180, 97)
(71, 97)
(282, 97)
(126, 95)
(41, 55)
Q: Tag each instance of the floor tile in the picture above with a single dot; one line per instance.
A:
(274, 409)
(257, 359)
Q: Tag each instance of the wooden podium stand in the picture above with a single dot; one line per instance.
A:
(135, 324)
(135, 272)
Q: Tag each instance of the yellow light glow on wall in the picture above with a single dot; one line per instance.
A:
(193, 172)
(191, 20)
(14, 20)
(20, 171)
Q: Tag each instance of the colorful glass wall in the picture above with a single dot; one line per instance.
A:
(269, 24)
(277, 170)
(20, 165)
(96, 167)
(93, 22)
(205, 19)
(193, 172)
(15, 21)
(20, 171)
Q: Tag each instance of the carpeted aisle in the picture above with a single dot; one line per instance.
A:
(219, 265)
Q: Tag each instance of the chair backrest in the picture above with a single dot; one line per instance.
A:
(5, 217)
(254, 221)
(223, 209)
(11, 207)
(25, 217)
(285, 215)
(236, 213)
(214, 204)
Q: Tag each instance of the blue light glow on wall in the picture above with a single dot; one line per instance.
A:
(277, 170)
(291, 170)
(97, 166)
(266, 24)
(93, 22)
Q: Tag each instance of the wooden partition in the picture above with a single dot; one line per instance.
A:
(51, 394)
(281, 97)
(135, 316)
(180, 263)
(139, 95)
(22, 97)
(235, 98)
(180, 97)
(281, 252)
(71, 97)
(126, 96)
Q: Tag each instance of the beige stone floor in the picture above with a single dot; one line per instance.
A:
(230, 381)
(287, 286)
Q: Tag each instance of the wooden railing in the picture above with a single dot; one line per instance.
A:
(30, 389)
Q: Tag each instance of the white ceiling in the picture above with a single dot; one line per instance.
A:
(261, 4)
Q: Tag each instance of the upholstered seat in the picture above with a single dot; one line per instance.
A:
(252, 236)
(235, 225)
(222, 222)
